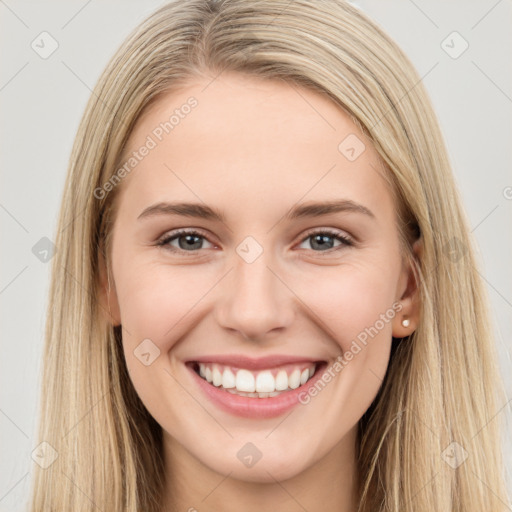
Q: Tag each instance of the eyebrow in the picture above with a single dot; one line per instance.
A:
(202, 211)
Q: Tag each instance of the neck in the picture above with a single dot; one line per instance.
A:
(329, 484)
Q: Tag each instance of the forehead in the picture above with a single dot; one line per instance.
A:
(257, 140)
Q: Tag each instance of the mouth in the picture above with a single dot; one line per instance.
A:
(259, 384)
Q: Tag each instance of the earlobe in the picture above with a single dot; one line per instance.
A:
(407, 320)
(107, 292)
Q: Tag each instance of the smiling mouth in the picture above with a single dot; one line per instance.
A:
(266, 383)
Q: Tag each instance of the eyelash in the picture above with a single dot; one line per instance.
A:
(345, 241)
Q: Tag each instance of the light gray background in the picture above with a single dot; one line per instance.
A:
(42, 101)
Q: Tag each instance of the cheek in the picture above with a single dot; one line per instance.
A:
(354, 302)
(163, 304)
(355, 305)
(350, 300)
(155, 301)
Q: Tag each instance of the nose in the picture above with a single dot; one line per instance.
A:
(255, 301)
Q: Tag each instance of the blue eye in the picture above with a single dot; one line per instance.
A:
(192, 241)
(188, 241)
(324, 240)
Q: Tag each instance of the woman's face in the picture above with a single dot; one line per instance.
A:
(289, 258)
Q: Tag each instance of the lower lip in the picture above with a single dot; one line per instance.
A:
(253, 407)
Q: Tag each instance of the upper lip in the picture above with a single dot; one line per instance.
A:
(251, 363)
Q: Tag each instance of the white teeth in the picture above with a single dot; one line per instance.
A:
(258, 384)
(216, 376)
(254, 395)
(281, 380)
(265, 382)
(245, 381)
(294, 379)
(228, 379)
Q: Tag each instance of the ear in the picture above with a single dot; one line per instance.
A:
(409, 296)
(107, 292)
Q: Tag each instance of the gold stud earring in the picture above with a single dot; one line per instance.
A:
(406, 322)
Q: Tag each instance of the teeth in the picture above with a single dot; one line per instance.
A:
(254, 395)
(216, 376)
(294, 379)
(228, 379)
(281, 380)
(265, 382)
(245, 381)
(255, 384)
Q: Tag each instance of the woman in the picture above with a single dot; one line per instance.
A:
(266, 295)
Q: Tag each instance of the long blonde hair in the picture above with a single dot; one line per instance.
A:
(442, 385)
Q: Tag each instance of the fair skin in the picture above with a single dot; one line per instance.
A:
(254, 149)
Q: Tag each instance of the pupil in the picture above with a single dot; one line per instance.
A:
(322, 241)
(189, 242)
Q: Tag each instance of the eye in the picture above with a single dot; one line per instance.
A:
(187, 241)
(323, 240)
